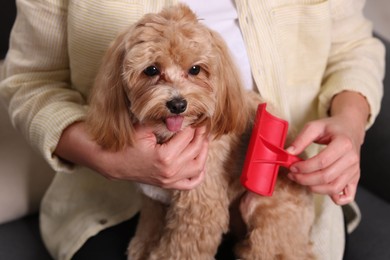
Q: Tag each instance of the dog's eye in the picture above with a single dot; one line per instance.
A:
(194, 70)
(151, 71)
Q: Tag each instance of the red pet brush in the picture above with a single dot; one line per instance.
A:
(265, 153)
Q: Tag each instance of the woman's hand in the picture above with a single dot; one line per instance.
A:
(336, 169)
(176, 164)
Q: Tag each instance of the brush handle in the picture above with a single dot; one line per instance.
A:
(275, 155)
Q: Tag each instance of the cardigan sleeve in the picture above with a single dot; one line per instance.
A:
(356, 60)
(36, 88)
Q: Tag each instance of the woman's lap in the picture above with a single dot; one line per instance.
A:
(112, 243)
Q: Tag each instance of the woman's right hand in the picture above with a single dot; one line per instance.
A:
(176, 164)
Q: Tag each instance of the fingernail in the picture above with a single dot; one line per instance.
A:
(290, 150)
(294, 169)
(290, 176)
(344, 199)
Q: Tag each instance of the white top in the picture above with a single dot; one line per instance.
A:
(221, 16)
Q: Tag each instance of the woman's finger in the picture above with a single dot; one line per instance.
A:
(335, 150)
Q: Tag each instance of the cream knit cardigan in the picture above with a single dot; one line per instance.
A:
(302, 53)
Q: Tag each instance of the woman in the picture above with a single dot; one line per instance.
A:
(315, 60)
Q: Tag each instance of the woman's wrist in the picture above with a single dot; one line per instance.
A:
(351, 103)
(353, 107)
(75, 146)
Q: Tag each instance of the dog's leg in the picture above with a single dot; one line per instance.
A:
(194, 226)
(278, 226)
(149, 229)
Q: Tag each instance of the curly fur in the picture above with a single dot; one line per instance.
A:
(190, 224)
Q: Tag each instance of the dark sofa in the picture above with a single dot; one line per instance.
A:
(20, 239)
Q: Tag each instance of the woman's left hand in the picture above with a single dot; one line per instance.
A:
(336, 169)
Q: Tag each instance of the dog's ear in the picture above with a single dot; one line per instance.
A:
(231, 112)
(109, 120)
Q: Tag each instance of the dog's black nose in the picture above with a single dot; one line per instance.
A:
(177, 105)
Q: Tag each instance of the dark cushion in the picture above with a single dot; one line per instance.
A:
(7, 14)
(370, 240)
(376, 148)
(20, 240)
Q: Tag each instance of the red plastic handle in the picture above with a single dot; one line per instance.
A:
(265, 153)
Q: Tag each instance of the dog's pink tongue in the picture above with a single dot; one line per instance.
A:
(174, 123)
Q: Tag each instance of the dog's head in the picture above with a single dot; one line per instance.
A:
(169, 71)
